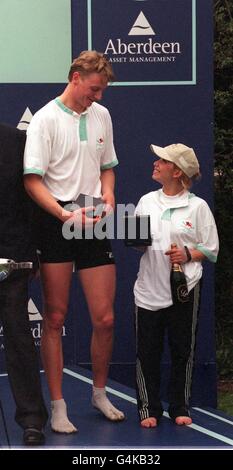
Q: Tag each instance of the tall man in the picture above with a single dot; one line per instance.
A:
(16, 243)
(70, 151)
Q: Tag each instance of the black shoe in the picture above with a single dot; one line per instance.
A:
(33, 437)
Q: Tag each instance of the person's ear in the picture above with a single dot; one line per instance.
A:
(76, 77)
(177, 173)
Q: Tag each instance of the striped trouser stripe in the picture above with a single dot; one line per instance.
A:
(143, 412)
(189, 366)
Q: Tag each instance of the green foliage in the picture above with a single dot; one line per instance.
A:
(223, 69)
(225, 402)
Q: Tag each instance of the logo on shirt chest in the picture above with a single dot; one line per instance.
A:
(100, 143)
(186, 225)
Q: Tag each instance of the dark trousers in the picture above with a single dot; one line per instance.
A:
(180, 323)
(21, 356)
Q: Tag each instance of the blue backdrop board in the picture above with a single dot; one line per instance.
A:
(161, 52)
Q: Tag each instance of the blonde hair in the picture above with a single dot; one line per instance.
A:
(91, 62)
(187, 182)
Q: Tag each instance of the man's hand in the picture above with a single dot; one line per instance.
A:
(81, 217)
(109, 203)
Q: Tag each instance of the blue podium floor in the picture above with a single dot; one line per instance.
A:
(210, 429)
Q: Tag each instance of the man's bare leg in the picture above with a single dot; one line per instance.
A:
(99, 288)
(56, 279)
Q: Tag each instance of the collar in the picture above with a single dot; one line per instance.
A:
(175, 202)
(68, 110)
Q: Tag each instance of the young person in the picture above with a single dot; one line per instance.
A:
(177, 217)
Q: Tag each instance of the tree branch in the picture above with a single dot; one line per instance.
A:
(228, 8)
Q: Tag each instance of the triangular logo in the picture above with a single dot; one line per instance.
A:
(25, 120)
(33, 312)
(141, 27)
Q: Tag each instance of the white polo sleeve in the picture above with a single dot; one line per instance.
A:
(207, 235)
(38, 147)
(108, 157)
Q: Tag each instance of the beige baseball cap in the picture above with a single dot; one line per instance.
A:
(184, 157)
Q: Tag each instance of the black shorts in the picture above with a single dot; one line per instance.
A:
(52, 247)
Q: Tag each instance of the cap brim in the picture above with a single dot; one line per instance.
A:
(160, 152)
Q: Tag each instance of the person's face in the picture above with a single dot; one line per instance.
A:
(89, 88)
(163, 171)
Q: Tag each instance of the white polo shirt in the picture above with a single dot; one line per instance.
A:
(69, 150)
(184, 219)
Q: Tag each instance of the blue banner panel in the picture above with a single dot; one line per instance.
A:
(150, 43)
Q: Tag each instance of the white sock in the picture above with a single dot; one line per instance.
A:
(59, 419)
(102, 403)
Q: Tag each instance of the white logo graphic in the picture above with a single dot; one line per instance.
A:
(34, 314)
(147, 50)
(141, 27)
(25, 120)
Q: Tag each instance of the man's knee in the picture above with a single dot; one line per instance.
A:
(104, 322)
(53, 320)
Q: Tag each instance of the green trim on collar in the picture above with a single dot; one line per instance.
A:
(62, 106)
(166, 215)
(83, 128)
(168, 212)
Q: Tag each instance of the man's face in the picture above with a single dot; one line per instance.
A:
(88, 88)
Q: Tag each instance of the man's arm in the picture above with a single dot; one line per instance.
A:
(39, 193)
(107, 179)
